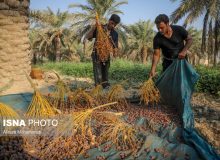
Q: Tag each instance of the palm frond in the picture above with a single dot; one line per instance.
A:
(182, 10)
(117, 4)
(82, 7)
(193, 15)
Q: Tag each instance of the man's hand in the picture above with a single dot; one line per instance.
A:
(188, 43)
(152, 74)
(182, 55)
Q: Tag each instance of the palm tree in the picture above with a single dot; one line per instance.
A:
(217, 37)
(74, 50)
(124, 46)
(14, 42)
(35, 52)
(194, 50)
(141, 36)
(193, 9)
(53, 27)
(86, 18)
(210, 42)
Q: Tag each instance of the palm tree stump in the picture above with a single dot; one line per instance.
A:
(14, 44)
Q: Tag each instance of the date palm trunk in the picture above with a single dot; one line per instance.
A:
(14, 44)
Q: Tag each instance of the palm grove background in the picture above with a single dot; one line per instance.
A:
(61, 33)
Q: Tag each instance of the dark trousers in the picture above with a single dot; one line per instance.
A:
(100, 71)
(167, 62)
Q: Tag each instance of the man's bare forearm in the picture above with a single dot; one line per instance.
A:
(155, 62)
(188, 44)
(89, 35)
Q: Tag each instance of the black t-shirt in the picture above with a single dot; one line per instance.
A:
(172, 46)
(113, 34)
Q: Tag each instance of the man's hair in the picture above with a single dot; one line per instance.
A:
(115, 18)
(161, 18)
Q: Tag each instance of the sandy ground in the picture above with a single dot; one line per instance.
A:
(49, 79)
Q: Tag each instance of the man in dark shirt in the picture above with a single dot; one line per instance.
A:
(173, 40)
(100, 68)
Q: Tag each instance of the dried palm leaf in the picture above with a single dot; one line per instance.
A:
(80, 122)
(97, 91)
(61, 91)
(117, 93)
(39, 106)
(122, 134)
(81, 98)
(149, 92)
(7, 112)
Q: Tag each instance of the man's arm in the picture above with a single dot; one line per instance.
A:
(90, 34)
(156, 58)
(189, 41)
